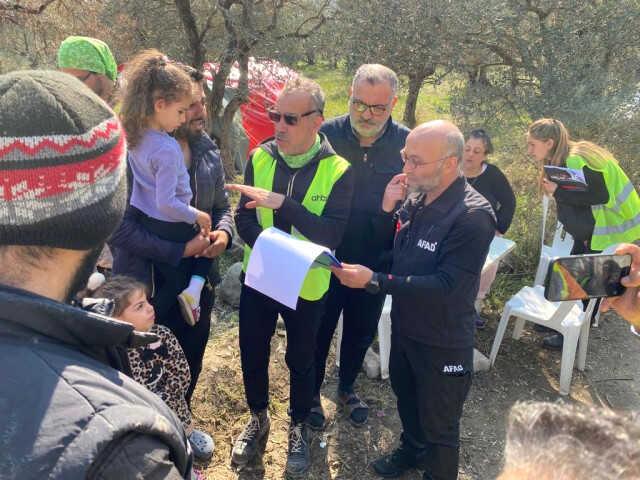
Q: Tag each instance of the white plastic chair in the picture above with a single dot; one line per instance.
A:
(566, 318)
(561, 244)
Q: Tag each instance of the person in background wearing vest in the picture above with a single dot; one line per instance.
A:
(67, 412)
(298, 184)
(369, 138)
(443, 232)
(89, 60)
(606, 213)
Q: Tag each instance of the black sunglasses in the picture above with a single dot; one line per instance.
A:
(289, 118)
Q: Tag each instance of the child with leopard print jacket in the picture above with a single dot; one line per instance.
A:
(160, 366)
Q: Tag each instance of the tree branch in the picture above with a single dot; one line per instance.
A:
(6, 6)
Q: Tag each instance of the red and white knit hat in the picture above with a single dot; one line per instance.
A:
(62, 162)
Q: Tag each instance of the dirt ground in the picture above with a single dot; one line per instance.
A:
(523, 371)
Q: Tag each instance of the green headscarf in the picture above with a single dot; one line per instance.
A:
(86, 53)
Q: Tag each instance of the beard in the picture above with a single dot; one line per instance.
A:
(83, 272)
(366, 129)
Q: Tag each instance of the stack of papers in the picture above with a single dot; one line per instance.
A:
(280, 262)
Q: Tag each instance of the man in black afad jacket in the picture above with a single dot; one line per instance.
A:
(444, 229)
(371, 141)
(66, 413)
(299, 185)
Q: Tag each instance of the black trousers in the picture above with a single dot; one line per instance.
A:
(193, 340)
(431, 385)
(174, 278)
(258, 317)
(360, 314)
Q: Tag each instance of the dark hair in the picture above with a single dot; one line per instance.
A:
(119, 288)
(195, 74)
(481, 134)
(149, 77)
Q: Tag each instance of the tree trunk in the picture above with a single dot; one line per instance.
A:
(191, 29)
(415, 84)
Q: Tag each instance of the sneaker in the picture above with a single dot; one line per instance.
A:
(190, 313)
(201, 444)
(357, 410)
(397, 462)
(298, 458)
(254, 434)
(553, 342)
(316, 419)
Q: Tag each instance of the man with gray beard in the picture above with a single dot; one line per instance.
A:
(443, 232)
(371, 141)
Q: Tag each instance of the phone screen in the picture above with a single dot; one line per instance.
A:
(586, 276)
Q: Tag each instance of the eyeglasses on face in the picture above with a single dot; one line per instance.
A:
(290, 119)
(413, 162)
(361, 107)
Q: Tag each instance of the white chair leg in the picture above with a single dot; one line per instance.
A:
(384, 341)
(583, 343)
(517, 328)
(339, 340)
(568, 358)
(497, 340)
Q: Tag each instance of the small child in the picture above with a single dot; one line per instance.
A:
(157, 95)
(160, 366)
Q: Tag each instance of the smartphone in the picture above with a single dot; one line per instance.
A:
(580, 277)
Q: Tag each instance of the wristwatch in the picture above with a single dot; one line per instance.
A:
(373, 285)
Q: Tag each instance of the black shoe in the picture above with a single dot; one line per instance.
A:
(356, 409)
(397, 462)
(316, 419)
(298, 457)
(253, 437)
(553, 342)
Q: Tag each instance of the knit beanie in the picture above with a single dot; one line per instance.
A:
(86, 53)
(62, 163)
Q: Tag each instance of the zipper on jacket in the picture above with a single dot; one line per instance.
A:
(290, 184)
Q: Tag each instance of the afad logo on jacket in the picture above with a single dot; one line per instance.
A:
(431, 246)
(318, 197)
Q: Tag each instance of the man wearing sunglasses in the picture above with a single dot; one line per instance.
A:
(371, 141)
(443, 232)
(89, 60)
(298, 184)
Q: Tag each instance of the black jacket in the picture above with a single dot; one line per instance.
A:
(373, 168)
(438, 254)
(65, 412)
(326, 229)
(134, 248)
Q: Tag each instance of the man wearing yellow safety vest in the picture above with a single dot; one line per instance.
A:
(298, 184)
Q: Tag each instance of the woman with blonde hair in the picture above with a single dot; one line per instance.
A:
(606, 212)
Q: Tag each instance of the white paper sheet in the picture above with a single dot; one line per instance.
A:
(279, 263)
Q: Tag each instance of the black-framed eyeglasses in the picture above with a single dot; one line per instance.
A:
(361, 107)
(290, 119)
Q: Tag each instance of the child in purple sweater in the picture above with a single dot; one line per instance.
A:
(156, 97)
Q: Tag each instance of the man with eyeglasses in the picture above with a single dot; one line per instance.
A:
(298, 184)
(443, 232)
(371, 140)
(89, 60)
